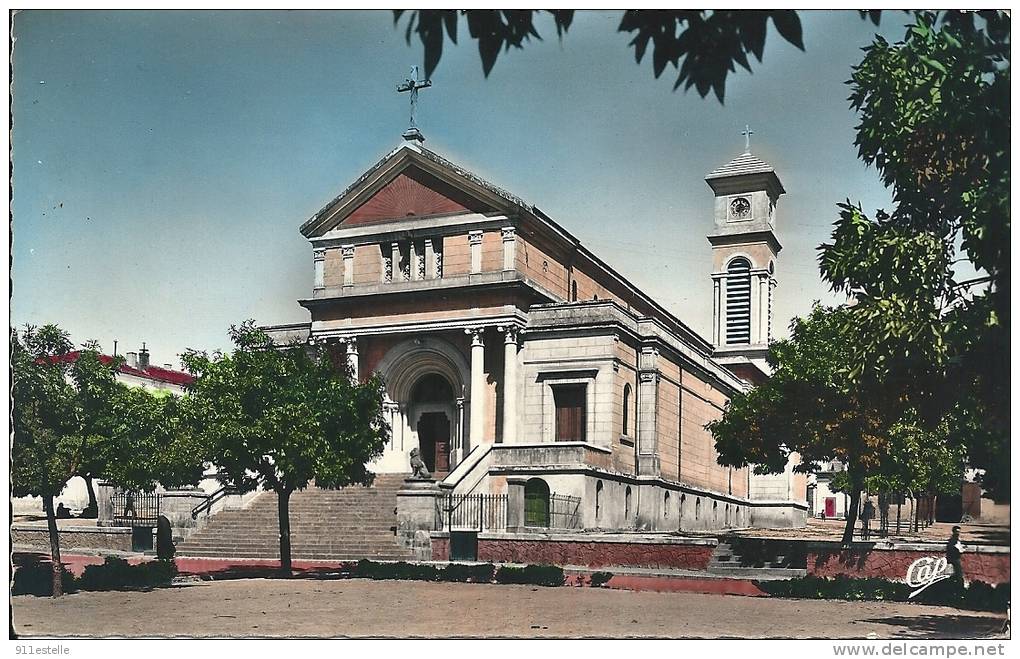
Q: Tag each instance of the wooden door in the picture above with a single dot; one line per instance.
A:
(830, 507)
(441, 430)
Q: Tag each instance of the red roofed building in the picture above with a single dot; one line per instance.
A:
(137, 371)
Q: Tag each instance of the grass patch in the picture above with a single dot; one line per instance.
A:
(36, 577)
(465, 573)
(532, 575)
(536, 575)
(117, 574)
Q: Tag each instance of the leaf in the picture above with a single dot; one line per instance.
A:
(432, 38)
(934, 64)
(450, 18)
(788, 25)
(489, 51)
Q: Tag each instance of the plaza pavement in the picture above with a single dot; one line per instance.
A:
(315, 607)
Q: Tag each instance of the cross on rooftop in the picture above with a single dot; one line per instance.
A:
(747, 133)
(413, 84)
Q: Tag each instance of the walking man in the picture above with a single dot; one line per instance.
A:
(954, 551)
(867, 515)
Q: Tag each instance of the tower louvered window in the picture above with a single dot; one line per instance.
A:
(738, 301)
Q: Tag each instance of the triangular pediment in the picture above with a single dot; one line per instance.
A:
(413, 193)
(409, 182)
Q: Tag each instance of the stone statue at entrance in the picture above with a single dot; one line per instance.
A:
(418, 469)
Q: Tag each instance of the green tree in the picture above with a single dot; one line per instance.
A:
(281, 416)
(810, 407)
(43, 453)
(935, 118)
(920, 461)
(73, 418)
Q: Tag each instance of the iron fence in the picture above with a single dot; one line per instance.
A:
(132, 508)
(555, 511)
(471, 512)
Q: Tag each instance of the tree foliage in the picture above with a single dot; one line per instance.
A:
(281, 416)
(812, 406)
(703, 46)
(44, 453)
(73, 418)
(934, 112)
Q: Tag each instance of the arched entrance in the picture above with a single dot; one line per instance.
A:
(425, 387)
(432, 409)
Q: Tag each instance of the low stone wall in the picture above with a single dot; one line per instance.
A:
(588, 549)
(778, 515)
(73, 537)
(890, 561)
(440, 546)
(655, 505)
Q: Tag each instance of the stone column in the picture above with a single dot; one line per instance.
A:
(509, 247)
(763, 308)
(768, 322)
(515, 503)
(104, 499)
(347, 252)
(477, 388)
(723, 286)
(412, 259)
(390, 412)
(716, 312)
(755, 296)
(396, 272)
(458, 445)
(647, 412)
(475, 244)
(352, 356)
(319, 267)
(430, 259)
(509, 384)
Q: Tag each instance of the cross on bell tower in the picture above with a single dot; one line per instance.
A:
(412, 85)
(747, 133)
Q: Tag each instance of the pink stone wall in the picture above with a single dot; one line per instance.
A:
(892, 564)
(440, 549)
(592, 554)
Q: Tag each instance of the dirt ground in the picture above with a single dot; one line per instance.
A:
(362, 608)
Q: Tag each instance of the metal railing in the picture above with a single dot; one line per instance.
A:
(211, 499)
(471, 512)
(131, 508)
(557, 511)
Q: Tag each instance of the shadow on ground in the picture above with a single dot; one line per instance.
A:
(269, 572)
(946, 626)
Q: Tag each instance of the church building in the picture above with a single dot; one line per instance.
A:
(511, 352)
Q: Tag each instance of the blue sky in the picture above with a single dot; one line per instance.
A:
(163, 161)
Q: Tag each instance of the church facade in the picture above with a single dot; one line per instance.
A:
(512, 352)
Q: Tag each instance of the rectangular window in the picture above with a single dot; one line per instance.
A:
(570, 412)
(320, 273)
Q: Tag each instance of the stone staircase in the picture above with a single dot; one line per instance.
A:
(347, 524)
(755, 559)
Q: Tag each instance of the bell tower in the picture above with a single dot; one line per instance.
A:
(744, 249)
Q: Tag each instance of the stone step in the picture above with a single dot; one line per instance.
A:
(311, 557)
(761, 573)
(350, 523)
(273, 550)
